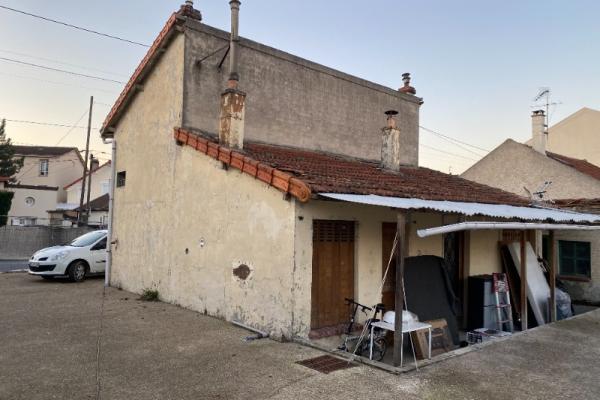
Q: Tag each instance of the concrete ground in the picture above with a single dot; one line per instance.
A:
(49, 336)
(13, 265)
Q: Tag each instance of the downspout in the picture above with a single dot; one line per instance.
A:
(111, 196)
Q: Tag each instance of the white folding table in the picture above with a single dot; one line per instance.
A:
(407, 327)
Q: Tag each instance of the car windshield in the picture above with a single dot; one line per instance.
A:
(87, 239)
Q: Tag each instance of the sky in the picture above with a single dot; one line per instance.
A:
(477, 64)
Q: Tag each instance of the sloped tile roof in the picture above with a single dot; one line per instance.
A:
(98, 204)
(331, 173)
(582, 166)
(43, 151)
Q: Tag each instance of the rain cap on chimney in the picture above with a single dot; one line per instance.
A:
(407, 88)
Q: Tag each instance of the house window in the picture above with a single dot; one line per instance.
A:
(121, 178)
(574, 259)
(29, 201)
(44, 167)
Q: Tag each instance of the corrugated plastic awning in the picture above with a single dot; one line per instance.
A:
(490, 210)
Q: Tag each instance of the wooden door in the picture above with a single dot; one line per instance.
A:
(388, 295)
(333, 272)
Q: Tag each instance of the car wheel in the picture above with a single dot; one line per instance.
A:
(77, 271)
(47, 277)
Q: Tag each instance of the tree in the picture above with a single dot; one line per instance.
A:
(9, 165)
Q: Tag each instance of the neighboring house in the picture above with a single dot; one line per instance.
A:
(523, 169)
(577, 136)
(39, 184)
(99, 188)
(271, 205)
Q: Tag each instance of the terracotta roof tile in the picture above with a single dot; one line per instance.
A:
(582, 166)
(332, 173)
(43, 151)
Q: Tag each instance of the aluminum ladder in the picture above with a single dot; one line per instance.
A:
(502, 298)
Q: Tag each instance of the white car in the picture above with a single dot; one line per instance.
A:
(85, 255)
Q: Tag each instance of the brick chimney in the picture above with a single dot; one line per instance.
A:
(231, 123)
(393, 154)
(538, 131)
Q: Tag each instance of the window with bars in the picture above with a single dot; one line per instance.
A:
(574, 259)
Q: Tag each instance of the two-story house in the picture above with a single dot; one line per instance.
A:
(39, 185)
(269, 191)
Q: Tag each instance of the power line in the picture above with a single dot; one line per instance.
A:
(74, 26)
(455, 141)
(60, 83)
(60, 70)
(72, 129)
(18, 121)
(61, 62)
(446, 152)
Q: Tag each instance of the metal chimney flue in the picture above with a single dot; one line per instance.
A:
(234, 76)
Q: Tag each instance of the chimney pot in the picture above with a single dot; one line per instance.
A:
(407, 88)
(187, 10)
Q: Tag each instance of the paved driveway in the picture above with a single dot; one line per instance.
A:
(49, 335)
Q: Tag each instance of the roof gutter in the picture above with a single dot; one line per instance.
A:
(477, 226)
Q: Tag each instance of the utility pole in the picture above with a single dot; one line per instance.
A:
(89, 189)
(85, 165)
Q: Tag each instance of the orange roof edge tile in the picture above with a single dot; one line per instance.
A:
(278, 179)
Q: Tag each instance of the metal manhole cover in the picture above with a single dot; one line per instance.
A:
(326, 364)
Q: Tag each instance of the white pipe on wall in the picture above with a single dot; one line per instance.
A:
(111, 195)
(474, 226)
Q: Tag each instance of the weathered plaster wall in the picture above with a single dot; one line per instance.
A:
(368, 252)
(512, 165)
(292, 101)
(184, 225)
(588, 291)
(143, 212)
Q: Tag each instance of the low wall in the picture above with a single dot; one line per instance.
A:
(20, 242)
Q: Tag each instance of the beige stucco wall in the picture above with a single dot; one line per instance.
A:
(186, 236)
(62, 170)
(99, 177)
(44, 200)
(368, 250)
(512, 166)
(577, 136)
(484, 254)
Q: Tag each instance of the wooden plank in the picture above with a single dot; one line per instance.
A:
(388, 233)
(523, 282)
(552, 276)
(399, 301)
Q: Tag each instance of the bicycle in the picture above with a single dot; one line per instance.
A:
(379, 343)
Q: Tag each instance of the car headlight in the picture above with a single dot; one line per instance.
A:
(59, 256)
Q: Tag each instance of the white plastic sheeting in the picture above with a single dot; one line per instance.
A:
(490, 210)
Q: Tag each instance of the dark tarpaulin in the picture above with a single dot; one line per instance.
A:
(429, 291)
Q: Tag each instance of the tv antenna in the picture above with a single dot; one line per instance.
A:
(545, 93)
(539, 195)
